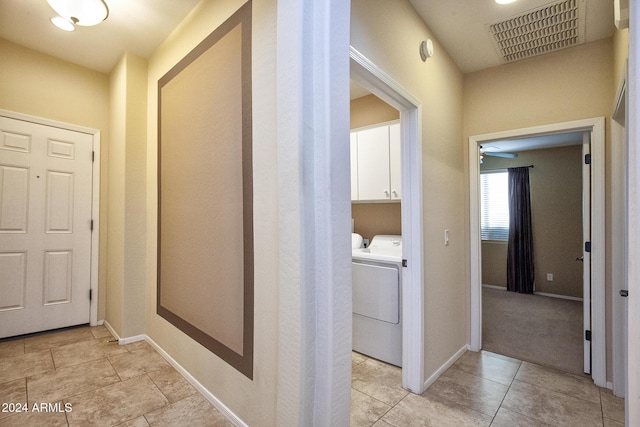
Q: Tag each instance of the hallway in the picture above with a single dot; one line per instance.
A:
(100, 382)
(96, 378)
(481, 389)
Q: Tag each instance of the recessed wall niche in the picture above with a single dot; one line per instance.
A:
(205, 193)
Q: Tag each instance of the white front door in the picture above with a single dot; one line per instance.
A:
(45, 227)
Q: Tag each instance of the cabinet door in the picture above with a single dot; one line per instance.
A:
(373, 164)
(354, 165)
(395, 174)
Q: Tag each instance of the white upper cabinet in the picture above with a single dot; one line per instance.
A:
(354, 165)
(375, 164)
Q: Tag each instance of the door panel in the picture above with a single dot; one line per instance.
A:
(59, 202)
(45, 234)
(57, 277)
(14, 199)
(13, 266)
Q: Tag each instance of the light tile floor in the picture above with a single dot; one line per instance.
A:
(105, 384)
(481, 389)
(101, 382)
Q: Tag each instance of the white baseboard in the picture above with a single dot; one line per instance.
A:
(129, 340)
(122, 341)
(217, 403)
(500, 288)
(543, 294)
(442, 369)
(111, 330)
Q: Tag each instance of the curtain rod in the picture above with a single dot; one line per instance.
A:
(504, 169)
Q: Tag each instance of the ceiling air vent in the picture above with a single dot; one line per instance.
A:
(553, 27)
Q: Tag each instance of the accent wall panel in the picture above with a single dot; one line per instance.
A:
(205, 193)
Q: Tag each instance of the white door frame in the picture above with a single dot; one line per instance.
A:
(632, 397)
(598, 331)
(384, 87)
(95, 191)
(619, 235)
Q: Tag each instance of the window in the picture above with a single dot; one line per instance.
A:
(494, 205)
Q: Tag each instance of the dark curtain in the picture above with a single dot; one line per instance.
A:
(520, 274)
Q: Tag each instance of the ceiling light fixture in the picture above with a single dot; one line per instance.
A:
(62, 23)
(505, 1)
(78, 12)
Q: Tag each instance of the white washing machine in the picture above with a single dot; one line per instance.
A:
(377, 298)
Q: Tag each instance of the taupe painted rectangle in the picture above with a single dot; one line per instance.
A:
(205, 193)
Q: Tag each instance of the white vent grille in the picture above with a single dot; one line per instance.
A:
(553, 27)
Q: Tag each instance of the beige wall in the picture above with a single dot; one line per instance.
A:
(371, 219)
(127, 198)
(255, 402)
(620, 55)
(556, 211)
(374, 218)
(389, 34)
(40, 85)
(571, 84)
(370, 110)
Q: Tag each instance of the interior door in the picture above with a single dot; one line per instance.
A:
(586, 233)
(45, 227)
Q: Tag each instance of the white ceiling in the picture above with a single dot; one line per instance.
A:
(461, 26)
(137, 26)
(534, 143)
(140, 26)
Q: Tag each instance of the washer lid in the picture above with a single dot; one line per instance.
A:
(387, 241)
(385, 244)
(356, 241)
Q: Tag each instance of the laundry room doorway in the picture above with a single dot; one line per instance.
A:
(368, 76)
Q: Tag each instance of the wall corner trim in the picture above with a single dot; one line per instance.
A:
(442, 369)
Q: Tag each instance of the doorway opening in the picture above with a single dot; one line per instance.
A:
(544, 322)
(374, 80)
(596, 305)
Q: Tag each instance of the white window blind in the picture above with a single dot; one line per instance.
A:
(494, 209)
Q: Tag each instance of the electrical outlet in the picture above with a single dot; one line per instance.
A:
(549, 277)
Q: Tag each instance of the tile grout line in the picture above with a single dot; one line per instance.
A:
(505, 394)
(389, 410)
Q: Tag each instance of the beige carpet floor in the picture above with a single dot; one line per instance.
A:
(538, 329)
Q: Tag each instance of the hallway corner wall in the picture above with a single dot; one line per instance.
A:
(127, 197)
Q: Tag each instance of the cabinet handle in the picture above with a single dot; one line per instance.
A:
(394, 192)
(386, 192)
